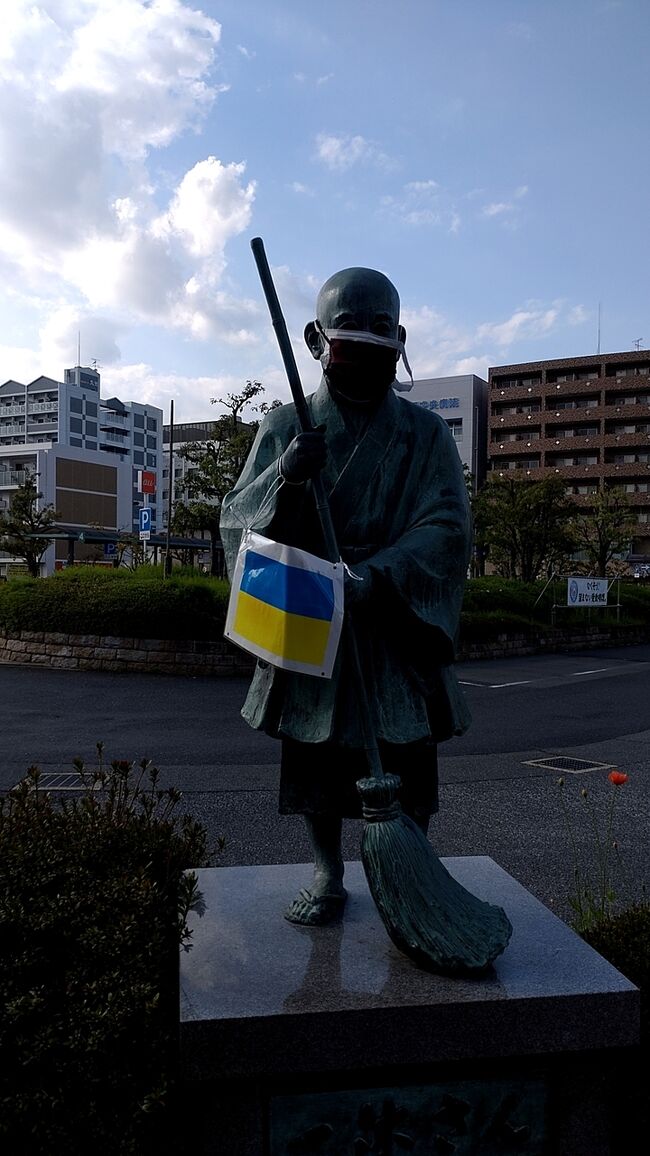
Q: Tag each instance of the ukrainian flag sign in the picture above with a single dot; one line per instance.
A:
(286, 606)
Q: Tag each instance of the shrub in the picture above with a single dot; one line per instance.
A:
(624, 939)
(94, 600)
(93, 903)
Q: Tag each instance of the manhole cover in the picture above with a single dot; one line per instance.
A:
(64, 781)
(568, 765)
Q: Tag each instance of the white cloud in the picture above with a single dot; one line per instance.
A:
(246, 52)
(339, 153)
(88, 90)
(422, 203)
(524, 323)
(302, 190)
(497, 207)
(507, 210)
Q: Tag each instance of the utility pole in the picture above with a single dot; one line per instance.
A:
(168, 558)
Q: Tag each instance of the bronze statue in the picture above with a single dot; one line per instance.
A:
(400, 510)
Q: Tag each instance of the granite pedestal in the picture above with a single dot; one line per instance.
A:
(296, 1040)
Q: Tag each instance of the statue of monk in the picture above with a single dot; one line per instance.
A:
(400, 510)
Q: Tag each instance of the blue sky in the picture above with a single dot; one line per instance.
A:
(490, 156)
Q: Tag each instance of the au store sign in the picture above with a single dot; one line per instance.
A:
(587, 591)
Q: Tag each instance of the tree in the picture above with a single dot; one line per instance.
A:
(523, 526)
(216, 464)
(25, 519)
(605, 529)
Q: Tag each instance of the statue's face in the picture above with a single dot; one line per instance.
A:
(361, 300)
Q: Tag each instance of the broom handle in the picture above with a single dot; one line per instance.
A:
(322, 504)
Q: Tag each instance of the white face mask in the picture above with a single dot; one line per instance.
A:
(368, 339)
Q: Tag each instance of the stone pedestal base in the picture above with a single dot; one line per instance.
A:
(329, 1041)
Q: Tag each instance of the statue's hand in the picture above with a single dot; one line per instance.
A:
(358, 585)
(304, 457)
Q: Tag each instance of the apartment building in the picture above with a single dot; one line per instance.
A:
(586, 419)
(84, 487)
(72, 413)
(461, 401)
(124, 437)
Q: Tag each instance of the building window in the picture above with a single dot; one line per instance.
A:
(456, 427)
(138, 439)
(91, 445)
(75, 405)
(151, 442)
(91, 409)
(76, 425)
(151, 460)
(138, 457)
(91, 429)
(152, 423)
(75, 442)
(138, 421)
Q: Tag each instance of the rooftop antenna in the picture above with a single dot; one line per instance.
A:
(598, 350)
(78, 347)
(638, 343)
(95, 364)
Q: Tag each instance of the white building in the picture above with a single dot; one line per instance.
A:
(44, 414)
(462, 401)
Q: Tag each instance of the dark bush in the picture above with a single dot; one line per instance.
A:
(93, 902)
(94, 600)
(624, 940)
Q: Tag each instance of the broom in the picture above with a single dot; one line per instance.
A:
(428, 915)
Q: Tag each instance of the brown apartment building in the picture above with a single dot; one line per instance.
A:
(584, 418)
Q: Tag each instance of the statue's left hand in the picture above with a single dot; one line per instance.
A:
(358, 585)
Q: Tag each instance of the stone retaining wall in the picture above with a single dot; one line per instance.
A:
(173, 656)
(104, 652)
(519, 645)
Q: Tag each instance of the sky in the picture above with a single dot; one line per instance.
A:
(489, 156)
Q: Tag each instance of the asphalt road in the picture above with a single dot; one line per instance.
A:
(594, 705)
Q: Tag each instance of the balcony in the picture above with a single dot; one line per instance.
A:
(11, 430)
(119, 439)
(108, 418)
(43, 407)
(12, 478)
(11, 410)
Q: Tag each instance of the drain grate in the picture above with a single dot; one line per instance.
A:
(64, 781)
(568, 765)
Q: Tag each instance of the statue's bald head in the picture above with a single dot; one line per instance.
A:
(361, 299)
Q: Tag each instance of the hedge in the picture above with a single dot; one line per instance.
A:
(93, 600)
(140, 604)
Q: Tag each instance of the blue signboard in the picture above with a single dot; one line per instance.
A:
(145, 519)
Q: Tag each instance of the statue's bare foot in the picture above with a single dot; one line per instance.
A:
(314, 909)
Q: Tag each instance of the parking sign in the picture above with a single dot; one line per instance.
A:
(145, 523)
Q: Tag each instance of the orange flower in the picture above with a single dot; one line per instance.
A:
(617, 778)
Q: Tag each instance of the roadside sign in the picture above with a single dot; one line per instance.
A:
(586, 592)
(110, 549)
(145, 523)
(146, 482)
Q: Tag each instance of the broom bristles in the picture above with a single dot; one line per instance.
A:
(429, 915)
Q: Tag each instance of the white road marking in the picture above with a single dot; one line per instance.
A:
(522, 682)
(471, 683)
(598, 670)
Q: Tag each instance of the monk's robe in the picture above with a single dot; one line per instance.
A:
(401, 514)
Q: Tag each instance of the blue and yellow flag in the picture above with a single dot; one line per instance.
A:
(286, 606)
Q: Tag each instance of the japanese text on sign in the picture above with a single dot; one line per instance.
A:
(444, 403)
(587, 592)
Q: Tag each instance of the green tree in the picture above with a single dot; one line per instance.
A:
(523, 527)
(605, 528)
(22, 524)
(216, 464)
